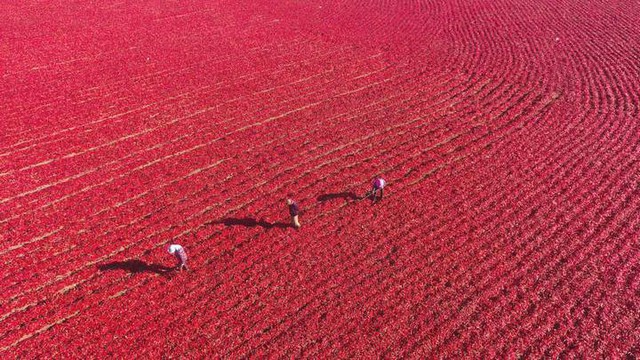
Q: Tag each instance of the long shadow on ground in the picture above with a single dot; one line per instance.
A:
(342, 195)
(135, 267)
(250, 222)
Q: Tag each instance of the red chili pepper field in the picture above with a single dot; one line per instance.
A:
(508, 132)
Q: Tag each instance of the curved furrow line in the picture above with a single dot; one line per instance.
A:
(631, 103)
(488, 123)
(394, 24)
(590, 297)
(599, 63)
(481, 260)
(553, 306)
(491, 55)
(608, 56)
(563, 167)
(614, 263)
(624, 324)
(611, 27)
(556, 230)
(625, 277)
(607, 95)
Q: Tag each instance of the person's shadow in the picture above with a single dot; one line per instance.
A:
(136, 267)
(250, 222)
(342, 195)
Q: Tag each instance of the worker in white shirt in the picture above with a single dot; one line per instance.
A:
(180, 255)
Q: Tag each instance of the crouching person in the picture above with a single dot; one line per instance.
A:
(180, 255)
(377, 185)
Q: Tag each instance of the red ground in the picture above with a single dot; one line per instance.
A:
(508, 132)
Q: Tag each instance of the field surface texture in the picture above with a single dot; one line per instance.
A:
(507, 130)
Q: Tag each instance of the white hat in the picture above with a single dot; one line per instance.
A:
(172, 248)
